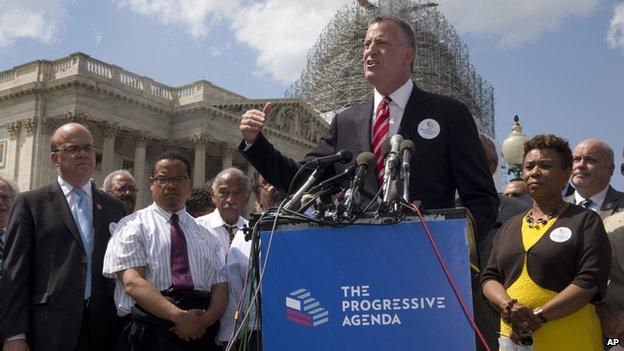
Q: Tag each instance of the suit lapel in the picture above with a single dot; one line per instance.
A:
(363, 124)
(98, 215)
(62, 208)
(611, 202)
(415, 110)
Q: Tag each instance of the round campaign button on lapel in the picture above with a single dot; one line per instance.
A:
(428, 128)
(561, 234)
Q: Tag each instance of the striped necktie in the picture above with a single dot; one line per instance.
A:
(231, 229)
(381, 130)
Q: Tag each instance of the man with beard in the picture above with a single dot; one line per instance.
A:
(121, 185)
(170, 281)
(592, 168)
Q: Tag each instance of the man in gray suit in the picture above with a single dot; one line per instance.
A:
(592, 168)
(486, 317)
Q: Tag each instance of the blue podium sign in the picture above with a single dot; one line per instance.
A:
(366, 287)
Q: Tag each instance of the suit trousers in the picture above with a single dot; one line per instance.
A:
(84, 342)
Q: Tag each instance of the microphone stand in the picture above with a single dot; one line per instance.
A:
(297, 196)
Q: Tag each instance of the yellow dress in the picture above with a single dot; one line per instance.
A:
(579, 331)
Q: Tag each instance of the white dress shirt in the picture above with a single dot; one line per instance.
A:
(399, 97)
(237, 264)
(597, 199)
(142, 239)
(215, 223)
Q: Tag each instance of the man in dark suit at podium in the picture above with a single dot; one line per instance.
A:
(448, 154)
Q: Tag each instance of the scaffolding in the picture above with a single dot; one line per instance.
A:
(333, 81)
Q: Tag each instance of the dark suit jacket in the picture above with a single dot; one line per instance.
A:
(44, 271)
(454, 160)
(613, 202)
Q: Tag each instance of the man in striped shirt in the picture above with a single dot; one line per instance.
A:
(159, 252)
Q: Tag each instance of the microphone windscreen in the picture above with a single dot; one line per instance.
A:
(396, 139)
(408, 144)
(345, 156)
(367, 158)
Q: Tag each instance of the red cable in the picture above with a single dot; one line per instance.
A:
(449, 277)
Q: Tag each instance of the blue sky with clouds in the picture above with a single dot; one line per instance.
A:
(559, 64)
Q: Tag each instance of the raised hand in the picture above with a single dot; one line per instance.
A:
(252, 122)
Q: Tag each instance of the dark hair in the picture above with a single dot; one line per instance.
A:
(553, 142)
(172, 155)
(199, 199)
(406, 29)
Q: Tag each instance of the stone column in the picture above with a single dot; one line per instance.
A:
(26, 155)
(227, 150)
(48, 170)
(110, 130)
(141, 178)
(12, 156)
(200, 140)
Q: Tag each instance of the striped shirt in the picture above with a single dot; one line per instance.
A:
(142, 239)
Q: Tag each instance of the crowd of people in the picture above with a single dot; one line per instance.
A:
(84, 269)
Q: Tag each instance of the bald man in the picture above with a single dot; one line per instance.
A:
(53, 294)
(592, 168)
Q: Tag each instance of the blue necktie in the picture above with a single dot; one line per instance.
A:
(84, 220)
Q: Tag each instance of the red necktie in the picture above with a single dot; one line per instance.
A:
(180, 270)
(381, 129)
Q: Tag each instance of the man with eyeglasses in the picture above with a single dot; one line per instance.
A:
(170, 278)
(53, 294)
(120, 184)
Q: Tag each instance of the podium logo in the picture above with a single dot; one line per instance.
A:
(303, 309)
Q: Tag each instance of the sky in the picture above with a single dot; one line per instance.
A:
(558, 64)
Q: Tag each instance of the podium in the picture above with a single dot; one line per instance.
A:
(366, 286)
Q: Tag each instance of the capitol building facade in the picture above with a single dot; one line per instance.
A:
(133, 119)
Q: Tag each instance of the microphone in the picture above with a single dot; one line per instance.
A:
(407, 150)
(366, 161)
(348, 173)
(392, 160)
(342, 156)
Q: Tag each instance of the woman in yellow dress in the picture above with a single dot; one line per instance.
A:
(549, 267)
